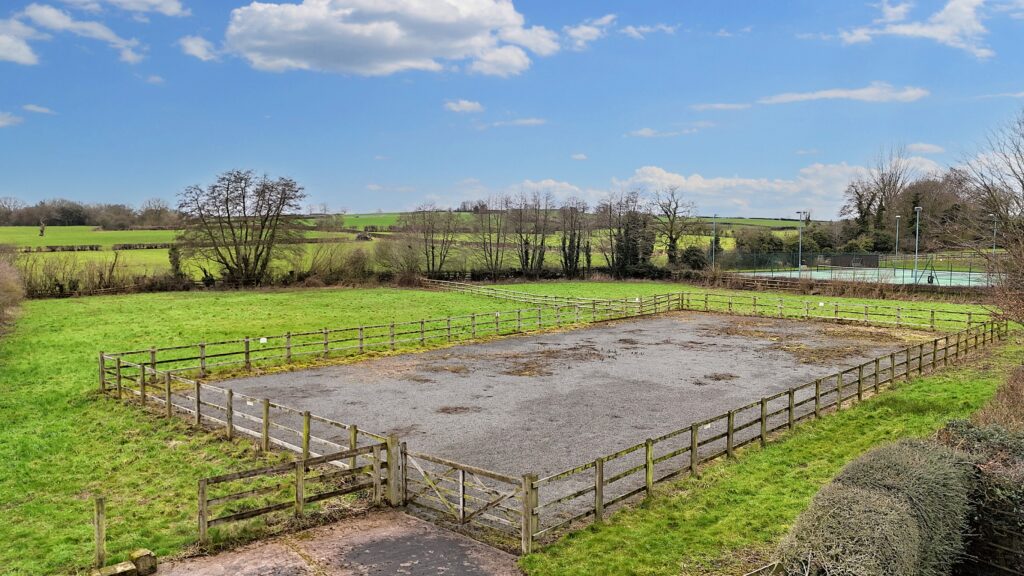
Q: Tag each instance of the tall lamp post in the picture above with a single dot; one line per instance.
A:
(917, 238)
(800, 243)
(714, 237)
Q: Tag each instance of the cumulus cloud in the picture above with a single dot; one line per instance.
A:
(57, 20)
(463, 106)
(198, 47)
(381, 37)
(875, 92)
(14, 46)
(652, 133)
(579, 156)
(37, 109)
(925, 148)
(642, 32)
(8, 119)
(581, 35)
(957, 25)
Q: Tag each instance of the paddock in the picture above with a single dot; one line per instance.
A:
(543, 403)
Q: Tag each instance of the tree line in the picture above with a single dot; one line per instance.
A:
(153, 213)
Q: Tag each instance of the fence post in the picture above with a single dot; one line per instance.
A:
(473, 323)
(229, 413)
(391, 333)
(899, 316)
(649, 465)
(755, 305)
(462, 496)
(599, 489)
(764, 422)
(448, 325)
(99, 524)
(423, 337)
(705, 301)
(519, 321)
(103, 372)
(375, 465)
(730, 304)
(152, 361)
(878, 365)
(866, 314)
(835, 308)
(353, 443)
(202, 359)
(860, 383)
(932, 321)
(168, 406)
(497, 323)
(694, 446)
(394, 467)
(248, 358)
(817, 398)
(906, 369)
(529, 523)
(288, 347)
(920, 359)
(362, 338)
(792, 408)
(300, 486)
(730, 434)
(203, 517)
(892, 368)
(327, 343)
(305, 434)
(265, 432)
(199, 406)
(117, 375)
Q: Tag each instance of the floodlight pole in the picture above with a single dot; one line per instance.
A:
(714, 238)
(800, 244)
(917, 238)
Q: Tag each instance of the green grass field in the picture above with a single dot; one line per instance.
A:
(62, 444)
(88, 235)
(728, 521)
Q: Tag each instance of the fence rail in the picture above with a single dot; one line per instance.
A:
(292, 485)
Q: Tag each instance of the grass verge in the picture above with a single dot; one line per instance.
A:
(729, 520)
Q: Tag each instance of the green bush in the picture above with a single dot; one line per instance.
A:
(899, 509)
(936, 480)
(851, 531)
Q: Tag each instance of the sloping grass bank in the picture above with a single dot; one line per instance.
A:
(728, 520)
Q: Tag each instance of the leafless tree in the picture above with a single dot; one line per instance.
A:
(490, 231)
(400, 256)
(889, 178)
(242, 223)
(675, 217)
(575, 240)
(8, 206)
(625, 232)
(531, 219)
(996, 185)
(435, 231)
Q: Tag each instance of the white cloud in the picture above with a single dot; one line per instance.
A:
(463, 106)
(198, 47)
(925, 148)
(374, 187)
(57, 20)
(14, 46)
(37, 109)
(807, 152)
(958, 25)
(581, 35)
(893, 12)
(641, 32)
(875, 92)
(579, 156)
(521, 122)
(381, 37)
(155, 79)
(1004, 95)
(8, 119)
(652, 133)
(165, 7)
(719, 106)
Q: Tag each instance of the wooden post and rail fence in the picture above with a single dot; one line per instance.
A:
(528, 508)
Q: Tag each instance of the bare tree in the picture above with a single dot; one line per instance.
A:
(242, 223)
(435, 231)
(861, 202)
(674, 219)
(575, 240)
(531, 219)
(8, 206)
(491, 233)
(626, 235)
(995, 180)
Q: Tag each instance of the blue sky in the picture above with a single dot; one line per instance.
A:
(751, 108)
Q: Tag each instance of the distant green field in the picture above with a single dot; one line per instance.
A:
(380, 219)
(89, 235)
(768, 222)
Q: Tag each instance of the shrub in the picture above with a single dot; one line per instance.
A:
(936, 480)
(1006, 408)
(694, 258)
(11, 290)
(851, 531)
(899, 509)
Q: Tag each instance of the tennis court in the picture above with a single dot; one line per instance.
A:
(884, 275)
